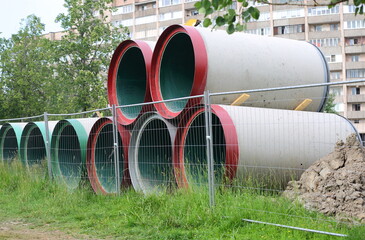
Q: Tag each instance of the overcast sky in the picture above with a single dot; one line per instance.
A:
(12, 11)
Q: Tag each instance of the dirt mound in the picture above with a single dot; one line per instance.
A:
(334, 185)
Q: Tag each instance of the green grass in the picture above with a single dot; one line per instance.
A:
(183, 214)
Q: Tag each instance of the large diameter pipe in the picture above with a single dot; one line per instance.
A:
(100, 157)
(128, 78)
(33, 142)
(187, 60)
(10, 136)
(68, 150)
(268, 146)
(150, 154)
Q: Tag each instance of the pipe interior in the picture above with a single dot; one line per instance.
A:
(155, 155)
(131, 81)
(69, 155)
(10, 147)
(104, 158)
(35, 147)
(177, 71)
(195, 152)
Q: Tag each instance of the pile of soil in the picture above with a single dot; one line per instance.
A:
(334, 185)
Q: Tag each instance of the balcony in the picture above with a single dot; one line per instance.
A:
(145, 13)
(359, 98)
(356, 114)
(355, 65)
(324, 19)
(139, 2)
(335, 66)
(355, 49)
(296, 36)
(324, 34)
(289, 21)
(354, 32)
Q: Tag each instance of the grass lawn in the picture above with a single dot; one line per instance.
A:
(183, 214)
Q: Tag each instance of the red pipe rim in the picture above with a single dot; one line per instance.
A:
(113, 71)
(230, 136)
(200, 72)
(91, 169)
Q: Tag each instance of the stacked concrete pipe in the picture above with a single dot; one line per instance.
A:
(10, 136)
(187, 60)
(100, 157)
(68, 150)
(33, 142)
(128, 79)
(150, 154)
(267, 145)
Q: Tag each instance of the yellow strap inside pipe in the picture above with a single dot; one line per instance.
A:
(303, 104)
(241, 99)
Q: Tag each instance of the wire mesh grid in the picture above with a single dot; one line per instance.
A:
(263, 149)
(245, 155)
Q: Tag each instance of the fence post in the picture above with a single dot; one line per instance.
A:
(209, 147)
(48, 145)
(116, 149)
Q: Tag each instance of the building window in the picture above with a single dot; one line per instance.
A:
(353, 41)
(356, 107)
(355, 73)
(334, 27)
(170, 15)
(356, 121)
(164, 3)
(337, 91)
(124, 9)
(326, 42)
(355, 91)
(349, 8)
(318, 28)
(335, 75)
(147, 19)
(354, 58)
(260, 31)
(293, 13)
(354, 24)
(339, 107)
(317, 11)
(289, 29)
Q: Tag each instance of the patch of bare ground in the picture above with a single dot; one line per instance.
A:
(334, 185)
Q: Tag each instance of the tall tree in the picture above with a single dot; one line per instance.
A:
(234, 19)
(26, 71)
(85, 51)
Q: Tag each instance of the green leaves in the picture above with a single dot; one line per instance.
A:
(225, 13)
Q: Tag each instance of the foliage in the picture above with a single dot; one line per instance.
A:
(184, 214)
(220, 13)
(26, 71)
(84, 52)
(329, 106)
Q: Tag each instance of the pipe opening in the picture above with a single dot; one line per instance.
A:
(177, 71)
(155, 156)
(69, 156)
(10, 146)
(35, 147)
(131, 81)
(195, 152)
(104, 158)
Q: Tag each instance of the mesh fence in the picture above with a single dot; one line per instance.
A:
(237, 147)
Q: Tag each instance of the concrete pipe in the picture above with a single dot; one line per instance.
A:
(150, 154)
(10, 136)
(268, 146)
(68, 150)
(128, 78)
(187, 60)
(100, 157)
(33, 142)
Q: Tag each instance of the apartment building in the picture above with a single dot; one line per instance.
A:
(337, 32)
